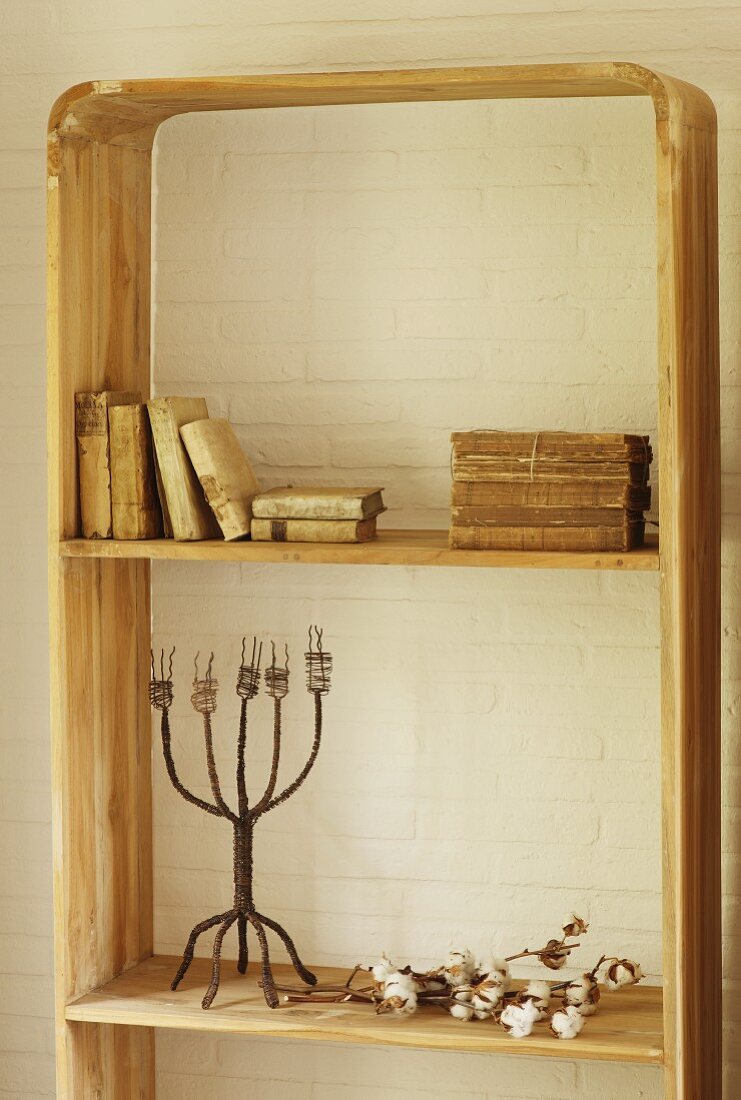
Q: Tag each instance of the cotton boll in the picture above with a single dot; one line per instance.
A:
(460, 967)
(554, 954)
(399, 985)
(581, 990)
(518, 1019)
(540, 992)
(574, 926)
(463, 993)
(499, 968)
(567, 1022)
(382, 969)
(398, 1005)
(461, 1012)
(487, 994)
(622, 972)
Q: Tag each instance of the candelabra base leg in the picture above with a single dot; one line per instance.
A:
(216, 966)
(268, 985)
(199, 929)
(259, 923)
(243, 956)
(304, 974)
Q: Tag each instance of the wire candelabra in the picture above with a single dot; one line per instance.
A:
(246, 816)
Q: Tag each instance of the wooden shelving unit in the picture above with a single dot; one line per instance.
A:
(111, 992)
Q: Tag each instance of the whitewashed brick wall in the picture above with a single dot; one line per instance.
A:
(347, 285)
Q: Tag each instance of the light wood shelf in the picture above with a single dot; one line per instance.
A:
(99, 311)
(390, 548)
(627, 1028)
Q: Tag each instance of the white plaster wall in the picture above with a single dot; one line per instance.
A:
(347, 285)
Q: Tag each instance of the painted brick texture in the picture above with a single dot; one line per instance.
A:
(347, 285)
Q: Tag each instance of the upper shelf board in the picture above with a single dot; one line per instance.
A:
(390, 548)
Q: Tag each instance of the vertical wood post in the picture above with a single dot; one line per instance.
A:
(99, 287)
(689, 439)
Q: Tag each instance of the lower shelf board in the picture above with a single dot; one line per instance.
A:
(627, 1027)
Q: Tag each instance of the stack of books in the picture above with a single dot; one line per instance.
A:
(549, 490)
(316, 514)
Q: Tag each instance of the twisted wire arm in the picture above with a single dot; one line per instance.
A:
(172, 772)
(213, 774)
(242, 800)
(293, 787)
(161, 696)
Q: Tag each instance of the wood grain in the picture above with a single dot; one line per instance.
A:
(390, 548)
(627, 1027)
(689, 514)
(98, 338)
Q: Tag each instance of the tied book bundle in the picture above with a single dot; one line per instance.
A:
(549, 490)
(316, 514)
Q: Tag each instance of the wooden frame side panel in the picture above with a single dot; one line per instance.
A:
(99, 288)
(690, 591)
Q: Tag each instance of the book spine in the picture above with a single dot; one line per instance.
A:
(94, 467)
(541, 517)
(634, 473)
(548, 494)
(601, 539)
(317, 507)
(224, 473)
(313, 530)
(190, 515)
(134, 508)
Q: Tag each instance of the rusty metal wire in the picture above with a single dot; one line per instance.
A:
(318, 664)
(276, 677)
(243, 911)
(160, 690)
(203, 698)
(248, 676)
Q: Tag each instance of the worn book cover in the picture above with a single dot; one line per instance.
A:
(134, 505)
(504, 516)
(309, 502)
(313, 530)
(616, 444)
(547, 538)
(94, 458)
(190, 515)
(224, 473)
(552, 494)
(489, 468)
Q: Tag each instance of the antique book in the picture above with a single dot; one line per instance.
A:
(570, 445)
(94, 458)
(547, 538)
(318, 503)
(313, 530)
(552, 494)
(190, 515)
(504, 516)
(467, 467)
(134, 506)
(224, 473)
(166, 525)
